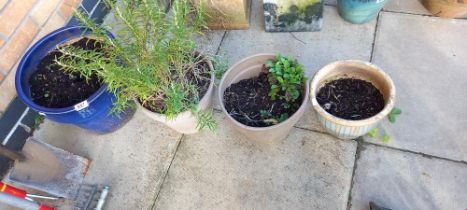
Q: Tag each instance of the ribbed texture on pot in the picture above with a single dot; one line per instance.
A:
(345, 132)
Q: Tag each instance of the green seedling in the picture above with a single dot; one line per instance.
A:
(283, 117)
(393, 114)
(38, 119)
(392, 118)
(264, 114)
(221, 64)
(386, 138)
(373, 132)
(268, 118)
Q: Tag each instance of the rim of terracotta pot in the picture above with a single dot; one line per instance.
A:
(317, 81)
(450, 2)
(210, 87)
(221, 97)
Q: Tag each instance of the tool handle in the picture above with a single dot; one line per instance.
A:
(22, 203)
(44, 207)
(11, 154)
(12, 190)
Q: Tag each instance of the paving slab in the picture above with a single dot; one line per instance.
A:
(338, 40)
(310, 121)
(426, 58)
(209, 41)
(223, 170)
(401, 180)
(132, 160)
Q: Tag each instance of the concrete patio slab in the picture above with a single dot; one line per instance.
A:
(210, 41)
(132, 161)
(401, 180)
(337, 40)
(223, 170)
(426, 58)
(310, 121)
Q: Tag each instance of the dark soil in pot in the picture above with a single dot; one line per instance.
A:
(351, 99)
(54, 88)
(201, 80)
(248, 102)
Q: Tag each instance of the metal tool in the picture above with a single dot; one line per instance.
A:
(87, 197)
(49, 169)
(90, 197)
(22, 203)
(52, 170)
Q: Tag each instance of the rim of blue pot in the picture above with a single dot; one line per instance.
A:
(30, 52)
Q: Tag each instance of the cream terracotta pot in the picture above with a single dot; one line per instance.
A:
(248, 68)
(351, 129)
(185, 122)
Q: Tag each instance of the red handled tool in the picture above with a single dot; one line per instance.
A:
(20, 198)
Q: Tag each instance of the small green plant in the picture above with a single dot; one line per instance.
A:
(267, 117)
(221, 64)
(393, 114)
(286, 77)
(373, 132)
(38, 120)
(206, 120)
(265, 114)
(152, 60)
(283, 117)
(385, 138)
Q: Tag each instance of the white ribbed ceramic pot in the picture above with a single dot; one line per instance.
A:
(351, 129)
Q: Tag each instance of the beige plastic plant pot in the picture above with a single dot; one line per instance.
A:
(446, 8)
(351, 129)
(185, 122)
(248, 68)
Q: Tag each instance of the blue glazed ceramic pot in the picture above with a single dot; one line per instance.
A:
(92, 114)
(360, 11)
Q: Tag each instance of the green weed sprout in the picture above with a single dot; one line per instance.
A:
(385, 138)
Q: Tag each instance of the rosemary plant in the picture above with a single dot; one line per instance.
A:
(152, 60)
